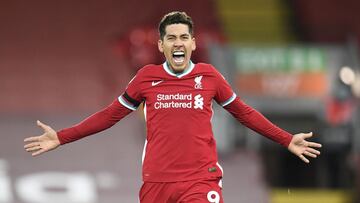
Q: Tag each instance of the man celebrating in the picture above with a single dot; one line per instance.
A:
(180, 162)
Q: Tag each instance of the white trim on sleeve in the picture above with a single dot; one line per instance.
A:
(232, 98)
(126, 104)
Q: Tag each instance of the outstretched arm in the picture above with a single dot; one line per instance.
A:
(254, 120)
(97, 122)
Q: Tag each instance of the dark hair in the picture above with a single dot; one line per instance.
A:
(175, 17)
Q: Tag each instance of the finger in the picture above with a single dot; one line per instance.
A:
(33, 144)
(307, 135)
(310, 154)
(302, 157)
(42, 125)
(314, 151)
(32, 139)
(31, 149)
(39, 152)
(314, 144)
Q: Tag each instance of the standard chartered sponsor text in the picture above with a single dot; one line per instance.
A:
(165, 101)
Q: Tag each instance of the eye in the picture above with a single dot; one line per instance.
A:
(185, 37)
(170, 38)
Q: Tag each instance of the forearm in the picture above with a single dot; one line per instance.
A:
(257, 122)
(95, 123)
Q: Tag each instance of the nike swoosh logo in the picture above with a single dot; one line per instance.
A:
(156, 83)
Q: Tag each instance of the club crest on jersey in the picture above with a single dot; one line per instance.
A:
(198, 84)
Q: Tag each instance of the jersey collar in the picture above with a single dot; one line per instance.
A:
(178, 75)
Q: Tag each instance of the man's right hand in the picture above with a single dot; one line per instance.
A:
(39, 144)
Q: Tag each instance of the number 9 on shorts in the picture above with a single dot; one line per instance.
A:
(213, 197)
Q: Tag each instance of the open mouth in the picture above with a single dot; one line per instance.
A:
(179, 56)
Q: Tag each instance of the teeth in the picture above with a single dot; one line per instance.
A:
(179, 57)
(178, 53)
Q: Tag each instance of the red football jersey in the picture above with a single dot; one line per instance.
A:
(180, 144)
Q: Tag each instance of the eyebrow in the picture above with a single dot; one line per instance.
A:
(173, 35)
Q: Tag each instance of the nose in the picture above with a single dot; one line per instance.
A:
(178, 42)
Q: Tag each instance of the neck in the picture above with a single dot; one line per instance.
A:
(178, 71)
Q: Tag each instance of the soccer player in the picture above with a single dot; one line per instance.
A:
(180, 162)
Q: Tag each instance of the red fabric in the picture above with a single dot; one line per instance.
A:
(257, 122)
(95, 123)
(199, 191)
(180, 145)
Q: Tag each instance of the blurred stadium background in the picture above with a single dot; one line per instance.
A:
(295, 61)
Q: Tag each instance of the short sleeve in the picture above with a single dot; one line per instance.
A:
(131, 98)
(224, 93)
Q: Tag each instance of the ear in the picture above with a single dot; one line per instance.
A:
(160, 46)
(193, 46)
